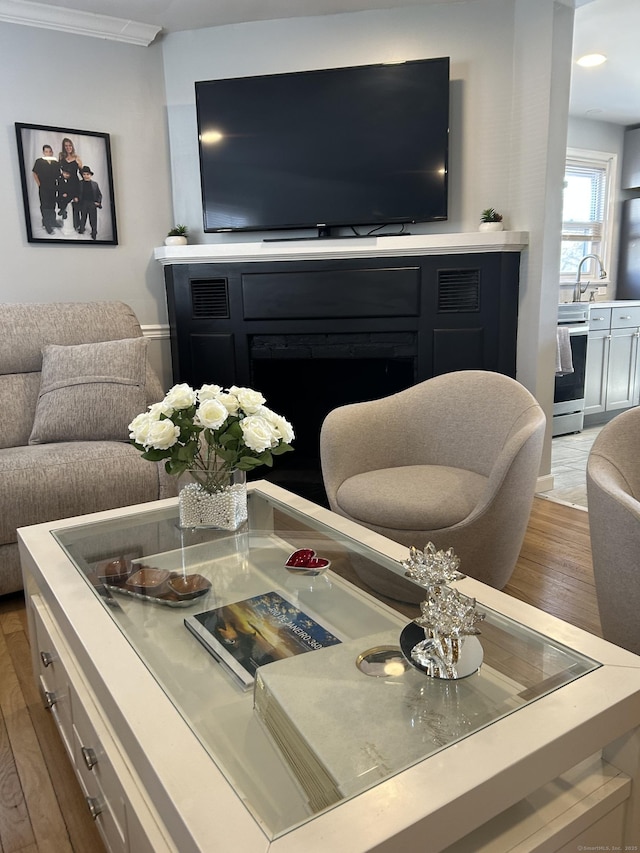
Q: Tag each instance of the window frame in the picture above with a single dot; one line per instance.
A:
(607, 161)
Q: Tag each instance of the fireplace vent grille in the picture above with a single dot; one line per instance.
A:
(458, 290)
(210, 299)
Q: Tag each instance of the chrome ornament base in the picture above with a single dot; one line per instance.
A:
(438, 656)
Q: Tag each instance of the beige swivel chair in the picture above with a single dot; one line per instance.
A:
(453, 460)
(613, 498)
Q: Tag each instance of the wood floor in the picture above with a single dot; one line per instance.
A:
(42, 809)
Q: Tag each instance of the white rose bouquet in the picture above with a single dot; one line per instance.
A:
(211, 432)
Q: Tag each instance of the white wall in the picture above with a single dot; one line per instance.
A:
(510, 72)
(84, 83)
(480, 93)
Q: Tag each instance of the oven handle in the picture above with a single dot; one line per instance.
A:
(576, 329)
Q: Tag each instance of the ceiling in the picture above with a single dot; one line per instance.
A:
(610, 92)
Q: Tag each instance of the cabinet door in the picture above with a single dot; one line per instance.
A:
(622, 369)
(595, 387)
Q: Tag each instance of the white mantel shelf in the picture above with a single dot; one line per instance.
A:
(314, 250)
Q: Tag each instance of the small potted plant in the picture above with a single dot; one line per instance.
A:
(490, 220)
(177, 236)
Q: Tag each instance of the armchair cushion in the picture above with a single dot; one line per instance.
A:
(90, 392)
(387, 498)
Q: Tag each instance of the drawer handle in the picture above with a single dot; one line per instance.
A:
(95, 807)
(47, 658)
(90, 757)
(624, 318)
(598, 319)
(50, 699)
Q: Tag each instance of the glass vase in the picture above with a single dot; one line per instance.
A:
(213, 499)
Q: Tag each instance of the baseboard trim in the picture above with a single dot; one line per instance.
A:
(545, 483)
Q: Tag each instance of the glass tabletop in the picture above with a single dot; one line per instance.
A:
(285, 664)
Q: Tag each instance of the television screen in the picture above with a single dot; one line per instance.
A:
(360, 146)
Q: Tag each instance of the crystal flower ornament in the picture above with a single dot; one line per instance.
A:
(431, 567)
(449, 613)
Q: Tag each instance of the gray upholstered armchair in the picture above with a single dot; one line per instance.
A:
(453, 460)
(613, 497)
(72, 377)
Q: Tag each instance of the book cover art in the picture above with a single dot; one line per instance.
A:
(249, 633)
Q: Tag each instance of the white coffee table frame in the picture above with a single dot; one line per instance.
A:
(160, 790)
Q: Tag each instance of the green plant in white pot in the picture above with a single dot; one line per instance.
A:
(177, 236)
(490, 220)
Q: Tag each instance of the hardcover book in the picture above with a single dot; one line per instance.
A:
(341, 731)
(249, 633)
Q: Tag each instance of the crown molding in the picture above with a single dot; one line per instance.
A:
(77, 22)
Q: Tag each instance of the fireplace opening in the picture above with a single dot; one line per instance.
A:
(305, 390)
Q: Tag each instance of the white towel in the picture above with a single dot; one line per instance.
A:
(564, 362)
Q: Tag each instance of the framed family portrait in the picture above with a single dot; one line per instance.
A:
(67, 185)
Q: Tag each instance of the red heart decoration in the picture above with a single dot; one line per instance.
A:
(306, 561)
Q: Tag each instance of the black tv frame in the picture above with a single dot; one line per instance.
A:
(302, 135)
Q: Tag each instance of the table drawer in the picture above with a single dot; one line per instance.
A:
(52, 675)
(98, 775)
(625, 318)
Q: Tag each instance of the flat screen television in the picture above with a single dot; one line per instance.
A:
(341, 147)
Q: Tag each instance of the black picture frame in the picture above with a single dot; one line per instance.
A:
(52, 214)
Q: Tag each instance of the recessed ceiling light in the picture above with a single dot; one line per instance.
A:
(590, 60)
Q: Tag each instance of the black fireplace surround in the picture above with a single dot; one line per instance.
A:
(315, 334)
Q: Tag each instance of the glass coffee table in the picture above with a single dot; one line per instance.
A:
(247, 688)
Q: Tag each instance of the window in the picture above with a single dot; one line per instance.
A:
(586, 212)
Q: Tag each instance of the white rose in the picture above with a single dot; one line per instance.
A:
(258, 433)
(139, 427)
(208, 392)
(180, 397)
(162, 434)
(282, 427)
(211, 414)
(230, 403)
(157, 409)
(248, 399)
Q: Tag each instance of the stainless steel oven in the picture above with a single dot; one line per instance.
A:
(568, 398)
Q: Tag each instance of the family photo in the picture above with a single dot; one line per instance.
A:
(67, 185)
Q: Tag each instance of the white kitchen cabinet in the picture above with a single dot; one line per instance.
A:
(613, 358)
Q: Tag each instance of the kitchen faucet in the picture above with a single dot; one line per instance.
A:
(578, 289)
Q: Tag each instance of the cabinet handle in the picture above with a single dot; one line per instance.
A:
(598, 319)
(47, 658)
(95, 806)
(89, 756)
(50, 699)
(624, 318)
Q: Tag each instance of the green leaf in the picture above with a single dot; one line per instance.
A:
(280, 449)
(228, 455)
(176, 468)
(234, 429)
(154, 455)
